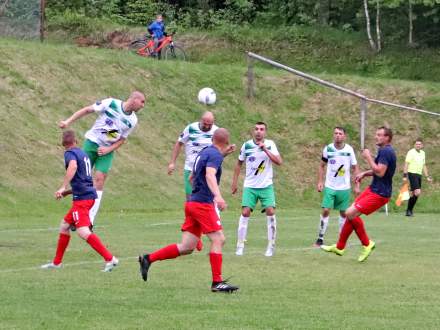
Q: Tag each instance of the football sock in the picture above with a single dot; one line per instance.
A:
(271, 228)
(411, 202)
(168, 252)
(346, 231)
(242, 228)
(341, 223)
(63, 242)
(216, 266)
(94, 210)
(323, 224)
(359, 228)
(96, 244)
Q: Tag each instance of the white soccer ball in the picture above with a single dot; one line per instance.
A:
(207, 96)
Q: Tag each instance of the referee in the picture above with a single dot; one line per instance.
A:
(412, 171)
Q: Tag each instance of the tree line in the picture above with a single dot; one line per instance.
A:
(414, 23)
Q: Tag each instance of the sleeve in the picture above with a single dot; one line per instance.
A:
(324, 156)
(184, 136)
(274, 149)
(214, 161)
(242, 155)
(126, 133)
(384, 157)
(68, 157)
(101, 105)
(353, 158)
(408, 157)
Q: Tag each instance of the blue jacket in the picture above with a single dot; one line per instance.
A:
(157, 29)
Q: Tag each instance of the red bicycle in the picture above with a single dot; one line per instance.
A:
(145, 47)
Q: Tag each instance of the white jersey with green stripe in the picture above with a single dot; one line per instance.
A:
(195, 140)
(112, 123)
(339, 163)
(259, 171)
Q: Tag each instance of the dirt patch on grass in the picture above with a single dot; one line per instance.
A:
(114, 39)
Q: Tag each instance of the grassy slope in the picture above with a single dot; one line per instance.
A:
(42, 84)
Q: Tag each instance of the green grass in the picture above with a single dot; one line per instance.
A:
(300, 287)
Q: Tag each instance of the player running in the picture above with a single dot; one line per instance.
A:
(339, 158)
(195, 137)
(200, 214)
(116, 120)
(373, 197)
(259, 154)
(78, 175)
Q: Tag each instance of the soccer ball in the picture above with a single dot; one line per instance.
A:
(207, 96)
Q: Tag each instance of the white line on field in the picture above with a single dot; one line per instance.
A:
(252, 252)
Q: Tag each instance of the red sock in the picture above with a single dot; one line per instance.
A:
(216, 260)
(96, 244)
(168, 252)
(63, 242)
(346, 231)
(359, 228)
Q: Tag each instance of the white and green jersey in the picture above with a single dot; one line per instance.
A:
(112, 123)
(195, 140)
(259, 172)
(339, 163)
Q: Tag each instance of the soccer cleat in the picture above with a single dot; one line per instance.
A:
(366, 251)
(240, 248)
(144, 264)
(332, 248)
(110, 265)
(223, 286)
(408, 213)
(270, 250)
(51, 265)
(318, 242)
(199, 245)
(72, 227)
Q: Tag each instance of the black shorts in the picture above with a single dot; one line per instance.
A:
(415, 181)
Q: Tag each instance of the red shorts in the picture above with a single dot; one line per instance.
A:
(368, 202)
(78, 214)
(201, 218)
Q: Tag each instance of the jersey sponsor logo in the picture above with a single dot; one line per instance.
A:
(340, 171)
(260, 168)
(332, 161)
(196, 144)
(108, 122)
(251, 159)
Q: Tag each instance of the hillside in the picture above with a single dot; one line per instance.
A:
(43, 83)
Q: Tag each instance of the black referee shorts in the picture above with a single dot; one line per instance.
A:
(415, 181)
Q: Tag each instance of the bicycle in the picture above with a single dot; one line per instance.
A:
(145, 47)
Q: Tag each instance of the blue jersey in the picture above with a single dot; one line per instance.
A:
(82, 182)
(208, 157)
(157, 29)
(383, 186)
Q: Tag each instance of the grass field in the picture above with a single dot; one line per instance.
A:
(300, 287)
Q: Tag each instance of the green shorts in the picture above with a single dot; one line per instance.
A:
(101, 163)
(186, 182)
(336, 199)
(252, 195)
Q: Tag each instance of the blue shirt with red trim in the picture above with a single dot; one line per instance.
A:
(383, 186)
(82, 182)
(208, 157)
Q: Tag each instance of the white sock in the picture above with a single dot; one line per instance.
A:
(94, 210)
(341, 223)
(323, 224)
(271, 228)
(242, 229)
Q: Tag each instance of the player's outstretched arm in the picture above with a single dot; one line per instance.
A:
(237, 170)
(321, 170)
(174, 155)
(77, 115)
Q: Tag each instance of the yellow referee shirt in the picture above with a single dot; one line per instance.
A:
(415, 160)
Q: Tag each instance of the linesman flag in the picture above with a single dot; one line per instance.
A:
(403, 194)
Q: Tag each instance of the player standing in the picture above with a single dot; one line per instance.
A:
(200, 214)
(415, 165)
(116, 120)
(259, 154)
(195, 137)
(79, 176)
(339, 158)
(373, 197)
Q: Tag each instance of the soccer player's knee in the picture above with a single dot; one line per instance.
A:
(246, 212)
(325, 213)
(270, 211)
(84, 232)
